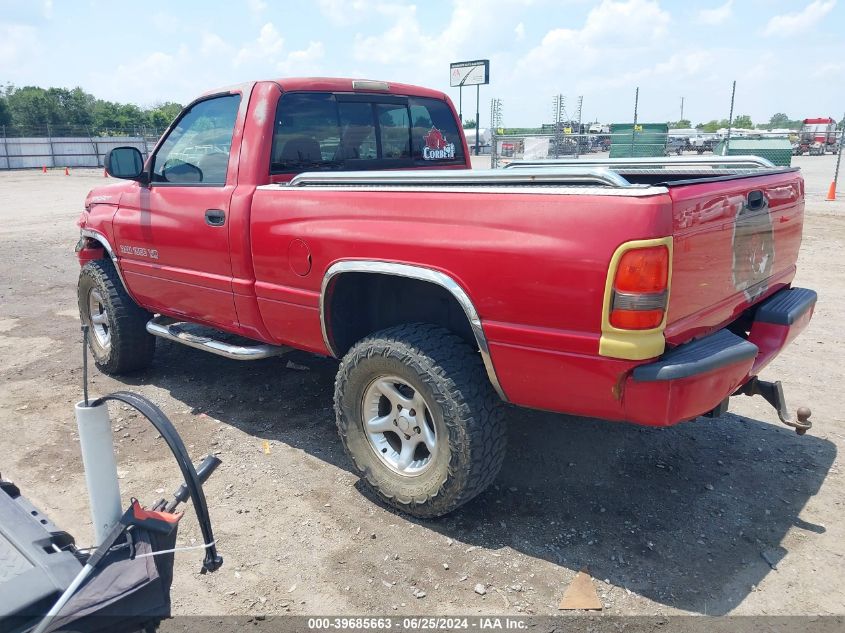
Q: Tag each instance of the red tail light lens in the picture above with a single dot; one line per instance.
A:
(640, 289)
(636, 319)
(643, 270)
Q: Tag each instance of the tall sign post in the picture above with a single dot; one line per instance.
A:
(472, 73)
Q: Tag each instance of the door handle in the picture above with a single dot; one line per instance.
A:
(215, 217)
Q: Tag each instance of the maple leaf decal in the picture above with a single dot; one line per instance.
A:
(435, 139)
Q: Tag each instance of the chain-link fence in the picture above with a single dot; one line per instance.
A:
(68, 146)
(536, 145)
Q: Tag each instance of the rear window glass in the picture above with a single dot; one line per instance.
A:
(315, 131)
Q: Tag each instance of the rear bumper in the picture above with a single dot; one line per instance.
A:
(696, 377)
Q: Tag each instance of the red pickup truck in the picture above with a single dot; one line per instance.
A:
(342, 217)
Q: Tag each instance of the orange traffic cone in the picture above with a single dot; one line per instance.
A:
(43, 169)
(831, 192)
(67, 172)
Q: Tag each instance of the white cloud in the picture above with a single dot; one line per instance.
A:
(611, 32)
(519, 32)
(829, 70)
(303, 62)
(213, 44)
(345, 12)
(681, 65)
(256, 6)
(793, 23)
(166, 24)
(717, 15)
(400, 43)
(410, 51)
(268, 45)
(47, 9)
(17, 44)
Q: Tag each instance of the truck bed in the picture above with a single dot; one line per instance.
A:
(531, 246)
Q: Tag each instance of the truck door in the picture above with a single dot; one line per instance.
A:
(173, 234)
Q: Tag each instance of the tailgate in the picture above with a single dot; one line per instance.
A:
(736, 242)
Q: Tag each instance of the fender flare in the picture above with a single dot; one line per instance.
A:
(103, 241)
(419, 273)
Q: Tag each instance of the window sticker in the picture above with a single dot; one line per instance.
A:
(437, 147)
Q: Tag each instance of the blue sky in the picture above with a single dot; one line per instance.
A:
(786, 56)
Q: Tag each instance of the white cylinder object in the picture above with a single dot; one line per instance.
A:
(97, 442)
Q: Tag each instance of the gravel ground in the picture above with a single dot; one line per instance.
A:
(734, 515)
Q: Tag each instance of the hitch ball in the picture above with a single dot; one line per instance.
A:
(803, 414)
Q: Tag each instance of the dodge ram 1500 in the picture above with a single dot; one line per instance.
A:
(342, 217)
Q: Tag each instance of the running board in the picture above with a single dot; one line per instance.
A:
(180, 332)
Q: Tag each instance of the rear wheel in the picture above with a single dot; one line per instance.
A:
(117, 335)
(419, 418)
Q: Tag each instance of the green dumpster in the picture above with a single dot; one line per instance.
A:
(647, 140)
(777, 150)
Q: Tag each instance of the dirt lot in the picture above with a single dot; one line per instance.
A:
(668, 521)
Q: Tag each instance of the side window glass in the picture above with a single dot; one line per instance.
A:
(197, 149)
(357, 131)
(395, 130)
(326, 131)
(305, 133)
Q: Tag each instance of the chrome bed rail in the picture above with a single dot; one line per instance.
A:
(574, 174)
(669, 162)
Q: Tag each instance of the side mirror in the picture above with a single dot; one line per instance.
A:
(125, 162)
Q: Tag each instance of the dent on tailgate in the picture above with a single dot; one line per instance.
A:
(727, 254)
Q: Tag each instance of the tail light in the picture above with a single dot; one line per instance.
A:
(640, 289)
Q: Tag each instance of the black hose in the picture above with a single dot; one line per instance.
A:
(145, 407)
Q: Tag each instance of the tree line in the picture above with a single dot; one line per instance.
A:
(778, 121)
(30, 109)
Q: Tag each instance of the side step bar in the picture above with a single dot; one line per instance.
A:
(181, 333)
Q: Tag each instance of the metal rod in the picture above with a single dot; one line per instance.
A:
(94, 146)
(726, 147)
(839, 155)
(6, 149)
(477, 114)
(52, 150)
(636, 106)
(63, 599)
(461, 102)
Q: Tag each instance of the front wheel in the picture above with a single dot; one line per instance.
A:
(117, 334)
(419, 419)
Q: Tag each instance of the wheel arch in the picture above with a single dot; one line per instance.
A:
(369, 270)
(104, 242)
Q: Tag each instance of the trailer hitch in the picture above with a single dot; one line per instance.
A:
(772, 393)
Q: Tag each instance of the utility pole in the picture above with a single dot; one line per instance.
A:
(682, 109)
(495, 124)
(558, 114)
(578, 137)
